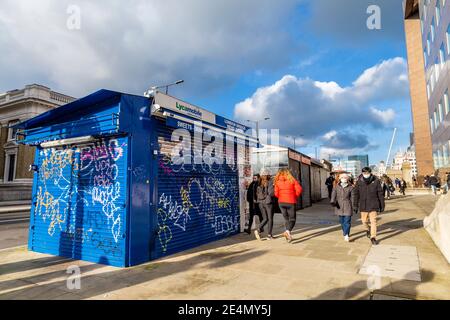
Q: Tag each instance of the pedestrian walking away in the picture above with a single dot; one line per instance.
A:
(287, 190)
(433, 181)
(264, 200)
(369, 200)
(252, 201)
(330, 183)
(447, 184)
(397, 183)
(403, 186)
(342, 199)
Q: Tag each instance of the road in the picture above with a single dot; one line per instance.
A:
(14, 229)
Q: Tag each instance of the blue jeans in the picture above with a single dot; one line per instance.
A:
(346, 223)
(434, 189)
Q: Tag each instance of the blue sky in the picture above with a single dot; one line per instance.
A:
(304, 57)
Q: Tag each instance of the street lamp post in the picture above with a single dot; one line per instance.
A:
(257, 125)
(295, 138)
(167, 86)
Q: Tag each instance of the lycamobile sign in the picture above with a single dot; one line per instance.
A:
(190, 110)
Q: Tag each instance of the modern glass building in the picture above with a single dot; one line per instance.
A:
(428, 42)
(364, 159)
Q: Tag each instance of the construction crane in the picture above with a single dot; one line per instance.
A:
(390, 148)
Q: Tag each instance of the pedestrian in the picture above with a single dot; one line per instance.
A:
(397, 183)
(414, 178)
(385, 186)
(264, 200)
(369, 200)
(426, 181)
(403, 186)
(342, 200)
(447, 184)
(287, 190)
(252, 201)
(433, 181)
(329, 183)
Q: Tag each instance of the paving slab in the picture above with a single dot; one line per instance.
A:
(397, 262)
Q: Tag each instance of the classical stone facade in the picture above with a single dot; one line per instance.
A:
(15, 160)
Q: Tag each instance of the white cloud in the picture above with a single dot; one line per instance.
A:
(129, 46)
(314, 109)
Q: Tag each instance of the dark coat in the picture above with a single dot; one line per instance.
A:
(369, 195)
(329, 182)
(433, 181)
(251, 192)
(343, 199)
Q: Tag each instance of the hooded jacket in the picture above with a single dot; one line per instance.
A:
(286, 191)
(369, 195)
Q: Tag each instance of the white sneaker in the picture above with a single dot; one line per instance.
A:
(347, 239)
(289, 236)
(257, 235)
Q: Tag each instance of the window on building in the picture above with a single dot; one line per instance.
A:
(446, 103)
(429, 44)
(445, 154)
(439, 158)
(436, 123)
(425, 59)
(441, 112)
(437, 72)
(425, 10)
(448, 39)
(10, 167)
(432, 78)
(442, 55)
(433, 30)
(12, 133)
(428, 90)
(438, 12)
(432, 125)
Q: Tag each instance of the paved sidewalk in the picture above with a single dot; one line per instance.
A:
(317, 265)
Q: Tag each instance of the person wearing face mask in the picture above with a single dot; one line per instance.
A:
(369, 200)
(342, 199)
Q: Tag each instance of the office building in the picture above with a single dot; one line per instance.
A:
(427, 33)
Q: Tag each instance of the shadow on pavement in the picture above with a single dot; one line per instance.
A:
(21, 266)
(360, 290)
(101, 283)
(394, 228)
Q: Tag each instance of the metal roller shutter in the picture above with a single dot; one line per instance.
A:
(294, 166)
(79, 210)
(306, 184)
(196, 203)
(316, 193)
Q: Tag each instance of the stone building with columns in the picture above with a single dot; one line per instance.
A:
(15, 160)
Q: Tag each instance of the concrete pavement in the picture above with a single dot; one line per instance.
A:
(14, 229)
(318, 264)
